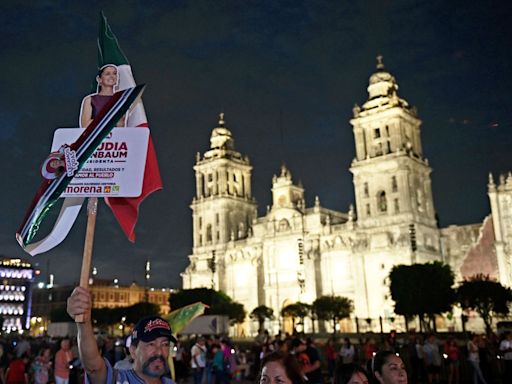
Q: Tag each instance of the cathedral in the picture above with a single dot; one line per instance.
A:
(297, 253)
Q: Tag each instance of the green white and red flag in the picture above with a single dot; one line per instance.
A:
(70, 159)
(126, 210)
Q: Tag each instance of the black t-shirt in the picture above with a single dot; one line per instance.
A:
(314, 377)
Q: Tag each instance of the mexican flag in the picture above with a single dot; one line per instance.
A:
(126, 210)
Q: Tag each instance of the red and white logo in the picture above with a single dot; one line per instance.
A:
(157, 323)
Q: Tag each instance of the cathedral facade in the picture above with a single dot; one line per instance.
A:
(297, 253)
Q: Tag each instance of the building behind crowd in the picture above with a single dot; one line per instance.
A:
(15, 294)
(298, 253)
(105, 294)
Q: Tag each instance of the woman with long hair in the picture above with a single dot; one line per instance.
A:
(388, 368)
(107, 80)
(350, 374)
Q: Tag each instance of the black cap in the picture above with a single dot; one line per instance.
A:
(149, 328)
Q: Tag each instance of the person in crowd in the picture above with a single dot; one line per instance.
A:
(314, 371)
(298, 351)
(331, 355)
(243, 365)
(350, 374)
(229, 359)
(17, 372)
(393, 342)
(506, 351)
(149, 347)
(347, 352)
(432, 359)
(452, 352)
(198, 359)
(210, 342)
(410, 357)
(264, 350)
(218, 368)
(420, 357)
(486, 355)
(369, 349)
(22, 347)
(388, 368)
(62, 359)
(474, 360)
(109, 350)
(127, 362)
(180, 361)
(41, 366)
(280, 368)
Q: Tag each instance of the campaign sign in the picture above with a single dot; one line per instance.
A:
(115, 169)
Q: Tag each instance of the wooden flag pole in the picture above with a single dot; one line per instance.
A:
(92, 209)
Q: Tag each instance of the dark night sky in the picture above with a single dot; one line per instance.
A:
(298, 65)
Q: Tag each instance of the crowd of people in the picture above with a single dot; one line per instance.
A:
(281, 359)
(38, 360)
(413, 358)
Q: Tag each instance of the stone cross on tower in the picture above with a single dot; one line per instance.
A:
(380, 63)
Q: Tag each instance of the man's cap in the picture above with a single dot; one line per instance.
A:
(149, 328)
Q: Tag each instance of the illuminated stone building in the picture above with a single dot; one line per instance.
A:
(15, 293)
(298, 253)
(104, 294)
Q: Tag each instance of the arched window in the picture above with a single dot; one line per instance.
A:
(382, 203)
(394, 184)
(208, 233)
(284, 225)
(366, 190)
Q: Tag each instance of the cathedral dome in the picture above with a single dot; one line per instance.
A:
(382, 92)
(221, 136)
(382, 83)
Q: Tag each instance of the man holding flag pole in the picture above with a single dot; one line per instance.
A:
(116, 103)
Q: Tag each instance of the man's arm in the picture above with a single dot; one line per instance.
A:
(79, 303)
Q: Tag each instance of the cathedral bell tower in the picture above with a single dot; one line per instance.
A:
(391, 177)
(223, 208)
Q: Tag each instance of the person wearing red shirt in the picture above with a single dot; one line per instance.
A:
(62, 360)
(17, 371)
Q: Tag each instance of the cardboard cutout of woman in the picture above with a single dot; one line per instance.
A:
(107, 80)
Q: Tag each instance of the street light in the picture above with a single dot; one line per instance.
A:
(146, 280)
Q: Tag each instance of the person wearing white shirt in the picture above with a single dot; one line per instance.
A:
(198, 360)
